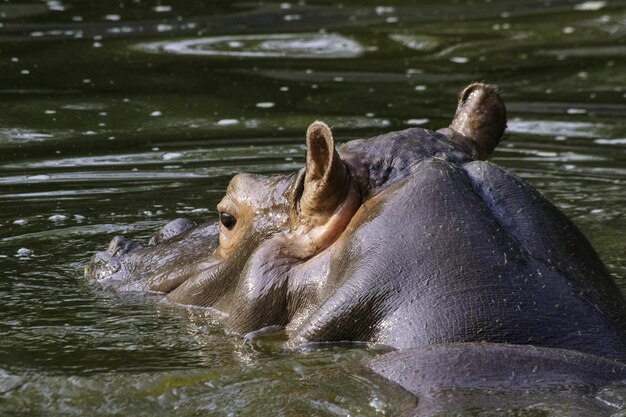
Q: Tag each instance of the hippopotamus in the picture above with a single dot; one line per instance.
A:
(411, 240)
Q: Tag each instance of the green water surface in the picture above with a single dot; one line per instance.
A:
(118, 116)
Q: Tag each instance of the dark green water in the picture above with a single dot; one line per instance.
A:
(118, 116)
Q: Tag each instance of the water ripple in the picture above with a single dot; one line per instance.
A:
(555, 127)
(302, 45)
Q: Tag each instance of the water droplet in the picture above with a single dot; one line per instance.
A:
(55, 5)
(576, 111)
(459, 60)
(162, 9)
(292, 17)
(24, 252)
(171, 155)
(590, 5)
(621, 141)
(57, 218)
(416, 122)
(164, 27)
(227, 122)
(41, 177)
(380, 10)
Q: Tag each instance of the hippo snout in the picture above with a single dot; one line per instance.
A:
(175, 246)
(102, 265)
(106, 264)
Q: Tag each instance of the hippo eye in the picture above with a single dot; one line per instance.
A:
(227, 220)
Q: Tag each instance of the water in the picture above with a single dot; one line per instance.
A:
(118, 116)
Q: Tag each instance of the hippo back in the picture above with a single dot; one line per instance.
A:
(454, 250)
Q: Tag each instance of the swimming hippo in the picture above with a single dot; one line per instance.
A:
(410, 240)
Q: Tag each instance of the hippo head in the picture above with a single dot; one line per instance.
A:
(405, 239)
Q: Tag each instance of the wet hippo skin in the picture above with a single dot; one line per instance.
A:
(411, 240)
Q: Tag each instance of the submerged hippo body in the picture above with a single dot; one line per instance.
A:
(408, 239)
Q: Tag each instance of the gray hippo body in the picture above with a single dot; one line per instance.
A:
(461, 379)
(409, 239)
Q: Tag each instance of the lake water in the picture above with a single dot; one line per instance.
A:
(118, 116)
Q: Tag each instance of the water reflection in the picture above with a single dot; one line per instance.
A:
(556, 128)
(22, 135)
(616, 142)
(302, 45)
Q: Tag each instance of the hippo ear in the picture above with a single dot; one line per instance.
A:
(325, 179)
(480, 117)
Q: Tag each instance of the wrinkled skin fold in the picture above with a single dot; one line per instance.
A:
(409, 239)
